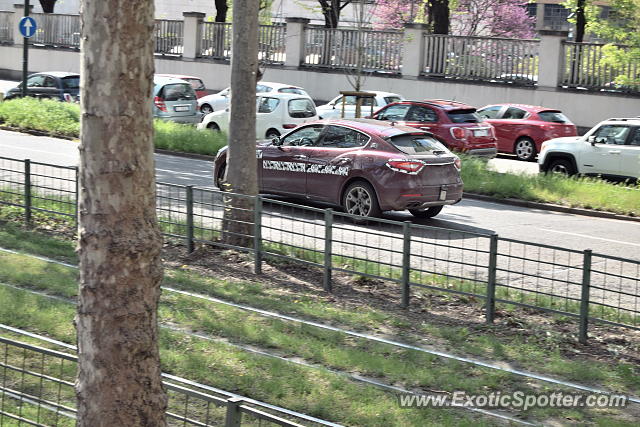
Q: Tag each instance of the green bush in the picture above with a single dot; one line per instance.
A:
(583, 192)
(58, 118)
(187, 139)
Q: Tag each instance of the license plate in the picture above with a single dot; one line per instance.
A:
(443, 194)
(481, 132)
(182, 108)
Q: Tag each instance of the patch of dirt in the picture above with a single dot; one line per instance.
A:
(606, 343)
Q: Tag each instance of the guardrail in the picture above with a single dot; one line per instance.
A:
(585, 68)
(579, 284)
(57, 30)
(481, 58)
(271, 44)
(6, 27)
(37, 388)
(169, 37)
(373, 51)
(216, 40)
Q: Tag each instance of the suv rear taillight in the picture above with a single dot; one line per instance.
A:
(458, 163)
(406, 166)
(159, 102)
(458, 133)
(289, 126)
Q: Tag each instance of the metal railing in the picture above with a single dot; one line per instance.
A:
(169, 36)
(37, 388)
(580, 284)
(371, 51)
(271, 44)
(6, 27)
(57, 30)
(216, 40)
(585, 68)
(481, 58)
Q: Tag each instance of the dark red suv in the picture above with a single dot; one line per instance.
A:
(458, 126)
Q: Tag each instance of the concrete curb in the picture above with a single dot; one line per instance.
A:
(186, 155)
(551, 207)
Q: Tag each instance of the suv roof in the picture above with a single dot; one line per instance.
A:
(381, 128)
(442, 103)
(59, 74)
(635, 120)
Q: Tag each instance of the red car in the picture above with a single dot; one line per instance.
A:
(364, 166)
(196, 83)
(455, 124)
(521, 129)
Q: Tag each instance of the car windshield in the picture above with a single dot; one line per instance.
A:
(464, 116)
(293, 90)
(178, 92)
(301, 108)
(553, 116)
(417, 144)
(392, 99)
(71, 82)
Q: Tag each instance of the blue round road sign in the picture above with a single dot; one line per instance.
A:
(27, 26)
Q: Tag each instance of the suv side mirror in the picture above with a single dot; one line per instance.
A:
(276, 142)
(592, 140)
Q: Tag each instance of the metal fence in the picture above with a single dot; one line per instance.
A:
(481, 58)
(169, 36)
(216, 40)
(585, 68)
(57, 30)
(6, 27)
(271, 44)
(37, 388)
(579, 284)
(371, 51)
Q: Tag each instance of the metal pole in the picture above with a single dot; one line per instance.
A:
(190, 245)
(27, 191)
(77, 195)
(491, 279)
(234, 416)
(328, 237)
(25, 53)
(584, 300)
(257, 235)
(406, 262)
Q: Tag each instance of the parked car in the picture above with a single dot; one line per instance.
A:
(455, 124)
(521, 129)
(59, 85)
(219, 101)
(276, 114)
(175, 100)
(333, 109)
(610, 149)
(364, 166)
(196, 83)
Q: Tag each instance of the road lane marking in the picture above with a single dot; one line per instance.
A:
(591, 237)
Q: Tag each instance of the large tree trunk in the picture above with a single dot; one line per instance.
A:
(119, 378)
(221, 10)
(438, 11)
(241, 175)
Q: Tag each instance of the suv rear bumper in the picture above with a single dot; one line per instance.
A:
(483, 152)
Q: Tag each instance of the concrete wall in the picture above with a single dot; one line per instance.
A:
(585, 109)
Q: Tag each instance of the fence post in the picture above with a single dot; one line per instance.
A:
(190, 245)
(491, 279)
(294, 41)
(328, 238)
(27, 191)
(192, 34)
(406, 262)
(584, 299)
(257, 235)
(234, 416)
(413, 49)
(551, 62)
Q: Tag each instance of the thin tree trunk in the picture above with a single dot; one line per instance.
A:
(119, 377)
(241, 174)
(581, 21)
(47, 5)
(439, 16)
(221, 10)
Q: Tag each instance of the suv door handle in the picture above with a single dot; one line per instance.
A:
(341, 162)
(614, 151)
(300, 156)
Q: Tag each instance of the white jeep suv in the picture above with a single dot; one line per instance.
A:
(611, 149)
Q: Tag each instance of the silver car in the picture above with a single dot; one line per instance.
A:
(175, 100)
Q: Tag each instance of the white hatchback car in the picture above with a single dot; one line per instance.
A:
(276, 114)
(333, 110)
(611, 149)
(219, 101)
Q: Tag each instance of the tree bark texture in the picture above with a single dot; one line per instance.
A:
(221, 10)
(241, 174)
(438, 11)
(119, 379)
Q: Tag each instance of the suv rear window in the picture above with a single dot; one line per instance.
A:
(464, 116)
(392, 99)
(417, 144)
(553, 116)
(177, 92)
(72, 82)
(301, 108)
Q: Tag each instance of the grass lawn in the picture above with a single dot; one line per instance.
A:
(282, 383)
